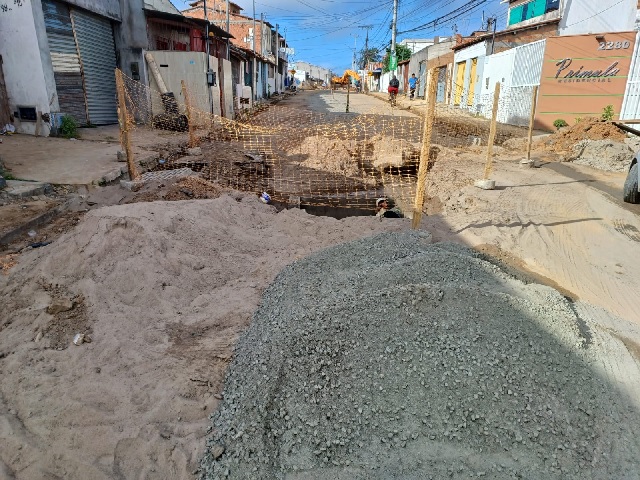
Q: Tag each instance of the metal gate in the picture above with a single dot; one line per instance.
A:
(67, 72)
(94, 36)
(84, 60)
(630, 109)
(442, 82)
(5, 112)
(422, 77)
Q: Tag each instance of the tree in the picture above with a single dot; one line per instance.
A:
(368, 55)
(402, 53)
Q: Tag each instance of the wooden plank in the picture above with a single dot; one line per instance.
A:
(534, 101)
(424, 151)
(492, 132)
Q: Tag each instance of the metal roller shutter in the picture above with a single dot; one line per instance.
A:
(94, 36)
(64, 58)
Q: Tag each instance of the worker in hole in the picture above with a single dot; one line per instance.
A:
(385, 210)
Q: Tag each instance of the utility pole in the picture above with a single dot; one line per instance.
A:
(394, 29)
(253, 47)
(355, 48)
(275, 80)
(366, 45)
(206, 43)
(262, 50)
(228, 40)
(493, 22)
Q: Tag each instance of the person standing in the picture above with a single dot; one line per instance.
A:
(413, 82)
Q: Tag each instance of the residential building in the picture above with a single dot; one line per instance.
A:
(313, 73)
(417, 44)
(59, 57)
(574, 17)
(257, 38)
(437, 55)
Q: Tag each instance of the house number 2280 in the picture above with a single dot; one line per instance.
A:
(613, 45)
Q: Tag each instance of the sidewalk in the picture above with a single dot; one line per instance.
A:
(60, 160)
(93, 158)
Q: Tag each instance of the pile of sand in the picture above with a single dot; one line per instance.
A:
(329, 154)
(162, 290)
(391, 358)
(586, 129)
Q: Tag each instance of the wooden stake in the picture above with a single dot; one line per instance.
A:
(187, 102)
(492, 133)
(424, 152)
(123, 120)
(347, 110)
(534, 101)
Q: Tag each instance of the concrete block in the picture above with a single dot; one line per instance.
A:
(18, 188)
(527, 163)
(132, 185)
(485, 184)
(111, 176)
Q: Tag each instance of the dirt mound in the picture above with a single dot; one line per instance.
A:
(163, 289)
(427, 362)
(329, 154)
(586, 129)
(188, 188)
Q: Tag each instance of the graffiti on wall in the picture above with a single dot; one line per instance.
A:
(8, 6)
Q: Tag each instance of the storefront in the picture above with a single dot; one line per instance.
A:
(84, 60)
(582, 75)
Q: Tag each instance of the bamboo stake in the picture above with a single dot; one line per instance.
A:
(123, 119)
(424, 152)
(187, 102)
(492, 133)
(534, 101)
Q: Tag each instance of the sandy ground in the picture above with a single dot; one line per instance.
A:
(164, 289)
(134, 402)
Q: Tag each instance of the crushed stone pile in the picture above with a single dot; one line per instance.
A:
(390, 358)
(604, 155)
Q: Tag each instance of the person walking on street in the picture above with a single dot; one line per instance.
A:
(413, 81)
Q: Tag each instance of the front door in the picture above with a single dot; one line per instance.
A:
(472, 81)
(459, 85)
(5, 112)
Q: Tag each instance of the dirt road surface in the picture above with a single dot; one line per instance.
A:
(164, 289)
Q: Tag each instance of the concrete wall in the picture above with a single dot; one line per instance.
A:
(228, 89)
(473, 51)
(24, 72)
(131, 38)
(106, 8)
(190, 67)
(589, 16)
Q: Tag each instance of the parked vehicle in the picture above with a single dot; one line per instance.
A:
(631, 194)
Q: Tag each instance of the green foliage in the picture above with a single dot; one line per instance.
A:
(607, 113)
(368, 55)
(559, 123)
(578, 120)
(68, 127)
(402, 53)
(4, 173)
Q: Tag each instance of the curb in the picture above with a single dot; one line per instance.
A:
(38, 221)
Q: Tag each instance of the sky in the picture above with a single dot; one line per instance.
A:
(325, 32)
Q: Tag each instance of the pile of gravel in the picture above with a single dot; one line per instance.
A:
(392, 358)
